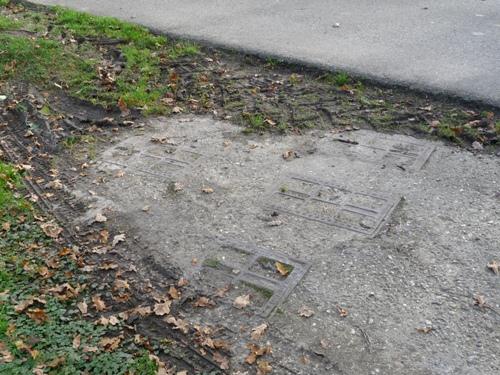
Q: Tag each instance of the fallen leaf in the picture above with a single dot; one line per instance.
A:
(343, 312)
(221, 292)
(182, 282)
(110, 343)
(177, 187)
(23, 305)
(161, 309)
(51, 229)
(7, 356)
(242, 301)
(222, 361)
(306, 312)
(282, 268)
(6, 226)
(103, 236)
(424, 329)
(204, 302)
(118, 238)
(77, 341)
(259, 331)
(83, 307)
(255, 352)
(179, 324)
(100, 218)
(121, 284)
(263, 368)
(98, 303)
(38, 315)
(494, 266)
(143, 310)
(207, 190)
(174, 293)
(289, 154)
(480, 301)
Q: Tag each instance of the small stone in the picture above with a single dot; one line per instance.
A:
(477, 146)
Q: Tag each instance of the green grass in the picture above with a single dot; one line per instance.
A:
(85, 25)
(7, 23)
(140, 83)
(338, 79)
(47, 343)
(33, 60)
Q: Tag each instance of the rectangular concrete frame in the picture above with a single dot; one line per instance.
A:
(417, 152)
(280, 289)
(165, 160)
(390, 203)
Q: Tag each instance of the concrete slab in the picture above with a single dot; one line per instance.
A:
(415, 264)
(448, 46)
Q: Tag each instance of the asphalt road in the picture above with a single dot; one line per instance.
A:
(450, 46)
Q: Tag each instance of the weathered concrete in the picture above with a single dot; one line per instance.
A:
(420, 268)
(443, 46)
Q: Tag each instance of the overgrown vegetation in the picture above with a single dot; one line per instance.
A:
(41, 329)
(114, 63)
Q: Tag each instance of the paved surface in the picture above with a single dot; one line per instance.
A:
(447, 45)
(396, 231)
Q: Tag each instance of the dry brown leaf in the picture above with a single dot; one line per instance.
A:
(143, 310)
(98, 303)
(52, 230)
(7, 356)
(118, 238)
(494, 266)
(242, 301)
(424, 329)
(100, 218)
(38, 315)
(306, 312)
(121, 284)
(480, 301)
(263, 368)
(207, 190)
(177, 187)
(161, 309)
(77, 341)
(256, 351)
(259, 331)
(221, 360)
(110, 343)
(6, 226)
(174, 292)
(182, 282)
(221, 292)
(282, 268)
(204, 302)
(179, 324)
(103, 236)
(343, 312)
(108, 266)
(289, 154)
(24, 305)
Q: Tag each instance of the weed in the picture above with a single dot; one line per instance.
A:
(264, 292)
(338, 79)
(254, 122)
